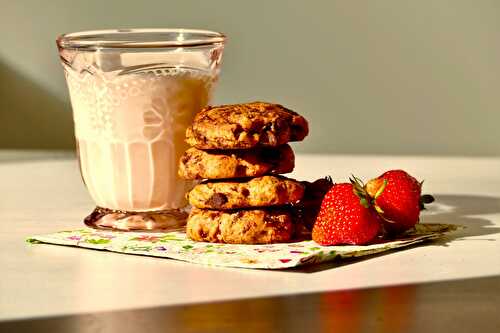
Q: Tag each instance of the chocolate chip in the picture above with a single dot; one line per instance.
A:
(257, 126)
(245, 192)
(279, 125)
(241, 171)
(196, 159)
(203, 233)
(237, 131)
(217, 200)
(272, 156)
(185, 158)
(297, 132)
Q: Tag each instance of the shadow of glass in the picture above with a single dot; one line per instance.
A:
(464, 210)
(30, 116)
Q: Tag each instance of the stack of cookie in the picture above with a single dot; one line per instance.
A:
(240, 151)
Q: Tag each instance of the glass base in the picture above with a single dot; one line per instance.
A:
(160, 221)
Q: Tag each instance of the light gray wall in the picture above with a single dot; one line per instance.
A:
(396, 77)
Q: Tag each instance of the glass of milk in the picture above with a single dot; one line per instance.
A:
(133, 94)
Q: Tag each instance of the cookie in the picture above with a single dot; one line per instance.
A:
(243, 126)
(216, 164)
(253, 226)
(243, 193)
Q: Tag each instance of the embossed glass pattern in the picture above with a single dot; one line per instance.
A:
(133, 94)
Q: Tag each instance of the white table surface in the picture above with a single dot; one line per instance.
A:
(42, 193)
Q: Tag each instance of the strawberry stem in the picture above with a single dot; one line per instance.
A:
(380, 190)
(358, 187)
(426, 199)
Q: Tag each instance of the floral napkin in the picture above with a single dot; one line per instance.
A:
(175, 245)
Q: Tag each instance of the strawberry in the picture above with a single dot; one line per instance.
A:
(397, 197)
(344, 218)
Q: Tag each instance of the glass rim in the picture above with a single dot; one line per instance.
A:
(101, 39)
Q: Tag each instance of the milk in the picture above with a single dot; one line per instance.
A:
(130, 132)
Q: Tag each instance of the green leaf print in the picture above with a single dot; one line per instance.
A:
(33, 241)
(169, 238)
(97, 241)
(138, 248)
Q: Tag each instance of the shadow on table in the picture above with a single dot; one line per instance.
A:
(469, 211)
(32, 116)
(29, 156)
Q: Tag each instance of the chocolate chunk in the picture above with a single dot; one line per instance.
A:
(298, 132)
(217, 200)
(203, 233)
(185, 158)
(257, 126)
(270, 155)
(279, 125)
(237, 131)
(241, 171)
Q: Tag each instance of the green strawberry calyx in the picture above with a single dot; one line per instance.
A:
(367, 201)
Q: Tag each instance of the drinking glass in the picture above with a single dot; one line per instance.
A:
(133, 93)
